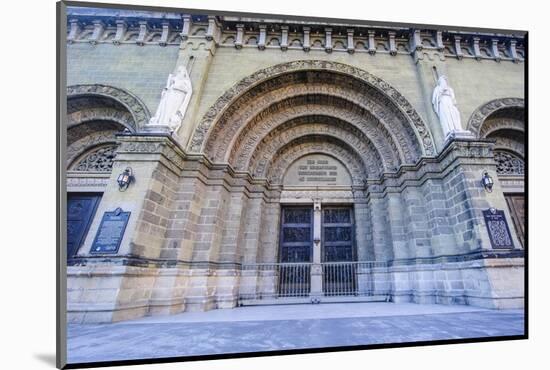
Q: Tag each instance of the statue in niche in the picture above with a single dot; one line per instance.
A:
(444, 104)
(174, 100)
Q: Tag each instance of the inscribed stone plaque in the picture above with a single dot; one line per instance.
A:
(317, 170)
(497, 227)
(110, 232)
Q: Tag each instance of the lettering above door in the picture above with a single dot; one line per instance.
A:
(317, 170)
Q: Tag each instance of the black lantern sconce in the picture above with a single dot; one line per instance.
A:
(487, 181)
(125, 179)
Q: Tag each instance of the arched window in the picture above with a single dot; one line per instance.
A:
(509, 163)
(97, 160)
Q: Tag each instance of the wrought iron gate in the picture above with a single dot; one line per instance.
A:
(339, 274)
(296, 252)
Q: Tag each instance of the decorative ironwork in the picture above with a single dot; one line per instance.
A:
(509, 164)
(99, 160)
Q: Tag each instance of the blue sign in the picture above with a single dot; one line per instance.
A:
(110, 232)
(497, 227)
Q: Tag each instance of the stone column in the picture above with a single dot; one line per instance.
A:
(351, 43)
(118, 286)
(240, 34)
(284, 38)
(249, 285)
(170, 287)
(458, 48)
(306, 44)
(393, 47)
(143, 29)
(121, 28)
(372, 43)
(74, 30)
(316, 268)
(165, 32)
(197, 63)
(200, 295)
(269, 246)
(231, 249)
(381, 243)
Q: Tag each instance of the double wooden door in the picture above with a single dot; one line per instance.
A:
(296, 249)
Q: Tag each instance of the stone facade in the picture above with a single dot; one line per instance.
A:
(206, 203)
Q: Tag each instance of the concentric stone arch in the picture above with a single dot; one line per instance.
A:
(216, 111)
(484, 111)
(132, 103)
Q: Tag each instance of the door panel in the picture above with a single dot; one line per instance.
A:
(81, 208)
(338, 248)
(516, 205)
(296, 250)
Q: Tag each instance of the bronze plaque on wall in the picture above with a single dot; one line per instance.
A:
(110, 232)
(497, 227)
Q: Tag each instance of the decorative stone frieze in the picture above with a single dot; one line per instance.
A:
(393, 97)
(226, 34)
(480, 114)
(135, 106)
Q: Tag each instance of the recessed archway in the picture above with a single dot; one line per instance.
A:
(269, 99)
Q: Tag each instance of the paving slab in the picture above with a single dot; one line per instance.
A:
(268, 328)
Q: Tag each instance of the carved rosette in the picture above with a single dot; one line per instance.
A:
(480, 114)
(231, 95)
(135, 106)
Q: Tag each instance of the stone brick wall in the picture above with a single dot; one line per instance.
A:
(141, 70)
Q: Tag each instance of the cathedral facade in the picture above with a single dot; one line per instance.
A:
(218, 161)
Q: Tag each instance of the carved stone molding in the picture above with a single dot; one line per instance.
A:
(133, 104)
(170, 154)
(278, 139)
(492, 126)
(344, 103)
(79, 147)
(101, 114)
(393, 97)
(359, 130)
(480, 114)
(275, 167)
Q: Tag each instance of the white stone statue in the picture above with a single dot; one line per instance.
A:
(174, 100)
(444, 104)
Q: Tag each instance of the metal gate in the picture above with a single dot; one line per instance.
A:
(338, 252)
(296, 251)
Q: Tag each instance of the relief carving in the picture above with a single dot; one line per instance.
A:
(480, 114)
(137, 109)
(391, 96)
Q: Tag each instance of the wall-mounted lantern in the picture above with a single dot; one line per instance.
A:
(125, 179)
(487, 181)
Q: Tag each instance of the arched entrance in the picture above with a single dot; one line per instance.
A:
(317, 135)
(95, 115)
(503, 121)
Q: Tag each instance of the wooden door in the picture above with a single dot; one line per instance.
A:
(296, 242)
(81, 208)
(338, 251)
(516, 205)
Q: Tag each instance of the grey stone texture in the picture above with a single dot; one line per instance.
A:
(206, 203)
